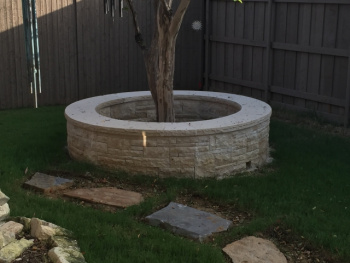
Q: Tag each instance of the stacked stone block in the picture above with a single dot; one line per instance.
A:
(211, 151)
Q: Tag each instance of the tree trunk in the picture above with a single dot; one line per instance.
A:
(160, 57)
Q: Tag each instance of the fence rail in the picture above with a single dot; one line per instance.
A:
(84, 53)
(292, 53)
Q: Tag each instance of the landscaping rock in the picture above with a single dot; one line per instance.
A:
(47, 183)
(3, 198)
(64, 242)
(187, 221)
(6, 238)
(66, 255)
(66, 249)
(8, 232)
(11, 227)
(254, 250)
(41, 231)
(107, 195)
(14, 250)
(44, 230)
(4, 212)
(23, 221)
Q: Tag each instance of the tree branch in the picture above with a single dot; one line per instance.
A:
(138, 36)
(179, 15)
(167, 5)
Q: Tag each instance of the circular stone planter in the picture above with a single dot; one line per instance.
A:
(218, 134)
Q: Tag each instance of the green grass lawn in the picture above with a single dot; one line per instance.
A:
(307, 189)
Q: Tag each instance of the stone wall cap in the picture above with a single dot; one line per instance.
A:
(252, 111)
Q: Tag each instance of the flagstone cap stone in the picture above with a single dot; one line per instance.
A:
(187, 221)
(254, 250)
(47, 183)
(107, 196)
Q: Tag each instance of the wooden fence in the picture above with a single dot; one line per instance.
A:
(292, 53)
(84, 53)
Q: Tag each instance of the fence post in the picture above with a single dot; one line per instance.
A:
(207, 39)
(347, 98)
(268, 64)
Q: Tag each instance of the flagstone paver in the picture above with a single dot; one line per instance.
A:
(48, 183)
(254, 250)
(106, 195)
(187, 221)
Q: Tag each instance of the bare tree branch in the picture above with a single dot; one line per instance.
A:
(179, 15)
(138, 35)
(166, 3)
(168, 9)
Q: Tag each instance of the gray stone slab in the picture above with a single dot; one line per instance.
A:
(187, 221)
(48, 183)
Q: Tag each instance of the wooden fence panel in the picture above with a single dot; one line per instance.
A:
(309, 52)
(294, 52)
(84, 53)
(236, 64)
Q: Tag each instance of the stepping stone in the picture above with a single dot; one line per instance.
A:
(47, 183)
(106, 195)
(254, 250)
(187, 221)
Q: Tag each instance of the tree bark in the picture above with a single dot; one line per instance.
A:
(160, 56)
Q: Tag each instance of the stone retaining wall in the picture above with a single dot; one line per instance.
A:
(198, 149)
